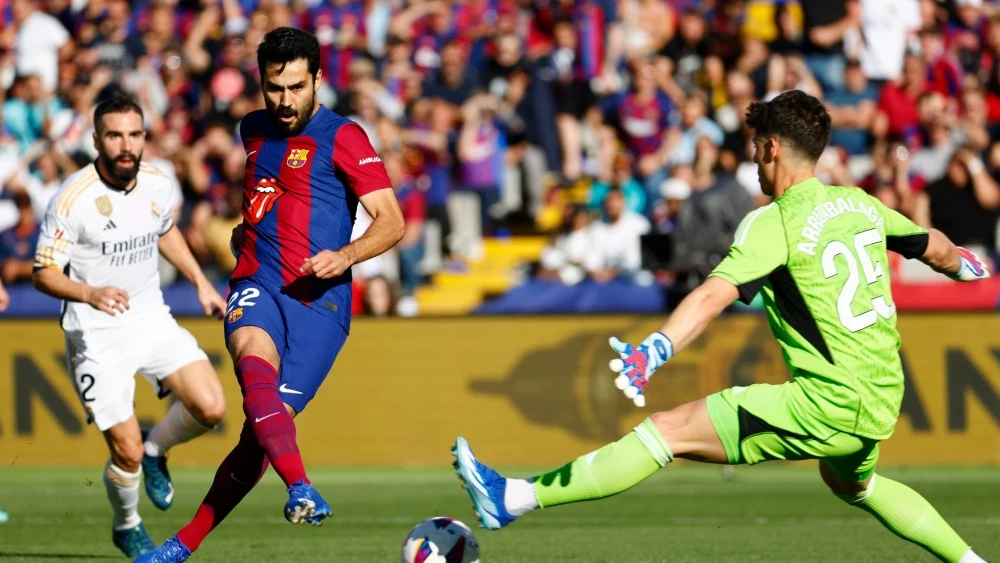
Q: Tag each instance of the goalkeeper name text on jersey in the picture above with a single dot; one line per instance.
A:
(102, 236)
(818, 254)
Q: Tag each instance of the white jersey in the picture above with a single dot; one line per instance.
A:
(101, 236)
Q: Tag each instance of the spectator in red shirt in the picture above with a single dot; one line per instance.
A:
(898, 117)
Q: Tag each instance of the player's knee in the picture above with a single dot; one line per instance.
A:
(849, 491)
(252, 341)
(210, 412)
(673, 419)
(127, 454)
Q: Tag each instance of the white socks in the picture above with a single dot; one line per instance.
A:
(123, 493)
(971, 557)
(176, 428)
(519, 497)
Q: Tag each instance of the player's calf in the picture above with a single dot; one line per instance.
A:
(128, 533)
(268, 416)
(121, 481)
(904, 512)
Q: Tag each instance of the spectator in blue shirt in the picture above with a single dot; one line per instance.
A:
(624, 180)
(852, 111)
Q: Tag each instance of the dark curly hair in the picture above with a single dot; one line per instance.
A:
(115, 103)
(286, 44)
(799, 120)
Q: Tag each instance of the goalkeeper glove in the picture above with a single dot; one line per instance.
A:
(637, 364)
(972, 268)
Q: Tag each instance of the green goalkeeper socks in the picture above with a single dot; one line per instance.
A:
(616, 467)
(911, 517)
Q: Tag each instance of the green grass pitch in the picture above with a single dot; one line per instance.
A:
(683, 514)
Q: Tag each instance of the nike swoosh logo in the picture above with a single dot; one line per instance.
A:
(251, 153)
(284, 389)
(265, 417)
(233, 477)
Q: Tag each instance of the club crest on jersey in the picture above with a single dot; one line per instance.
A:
(297, 158)
(104, 205)
(154, 210)
(261, 199)
(236, 314)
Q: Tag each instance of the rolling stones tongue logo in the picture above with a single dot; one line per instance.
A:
(262, 198)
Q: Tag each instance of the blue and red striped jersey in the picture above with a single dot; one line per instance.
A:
(300, 195)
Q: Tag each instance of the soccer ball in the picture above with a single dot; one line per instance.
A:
(440, 540)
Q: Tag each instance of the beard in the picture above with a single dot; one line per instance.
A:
(765, 187)
(121, 174)
(302, 114)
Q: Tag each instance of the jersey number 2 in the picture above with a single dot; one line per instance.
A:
(872, 272)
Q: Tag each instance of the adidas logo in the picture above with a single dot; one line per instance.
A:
(110, 225)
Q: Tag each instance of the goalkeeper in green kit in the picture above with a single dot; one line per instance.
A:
(818, 255)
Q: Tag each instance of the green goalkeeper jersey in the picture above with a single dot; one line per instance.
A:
(819, 255)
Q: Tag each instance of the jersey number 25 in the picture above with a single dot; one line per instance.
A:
(872, 272)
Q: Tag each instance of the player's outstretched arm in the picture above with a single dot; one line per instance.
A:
(174, 248)
(953, 261)
(698, 310)
(637, 363)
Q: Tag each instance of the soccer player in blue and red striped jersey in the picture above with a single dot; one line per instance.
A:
(290, 301)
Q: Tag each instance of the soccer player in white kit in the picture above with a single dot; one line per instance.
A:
(98, 251)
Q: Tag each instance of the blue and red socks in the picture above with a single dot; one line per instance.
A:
(266, 415)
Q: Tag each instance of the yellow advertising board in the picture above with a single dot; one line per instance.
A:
(524, 390)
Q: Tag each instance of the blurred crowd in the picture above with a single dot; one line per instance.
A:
(614, 126)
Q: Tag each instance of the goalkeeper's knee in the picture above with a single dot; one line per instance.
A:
(857, 498)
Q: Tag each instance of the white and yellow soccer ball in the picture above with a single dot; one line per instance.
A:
(440, 540)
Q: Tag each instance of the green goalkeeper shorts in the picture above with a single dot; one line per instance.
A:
(762, 423)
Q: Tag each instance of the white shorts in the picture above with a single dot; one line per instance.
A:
(103, 364)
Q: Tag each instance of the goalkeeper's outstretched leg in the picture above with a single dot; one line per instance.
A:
(685, 432)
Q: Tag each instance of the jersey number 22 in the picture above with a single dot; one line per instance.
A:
(872, 272)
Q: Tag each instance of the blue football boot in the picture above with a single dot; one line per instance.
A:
(172, 551)
(485, 487)
(134, 541)
(305, 505)
(159, 488)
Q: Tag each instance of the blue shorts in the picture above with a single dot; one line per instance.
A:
(307, 341)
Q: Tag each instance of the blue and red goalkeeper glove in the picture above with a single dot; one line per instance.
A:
(972, 267)
(637, 364)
